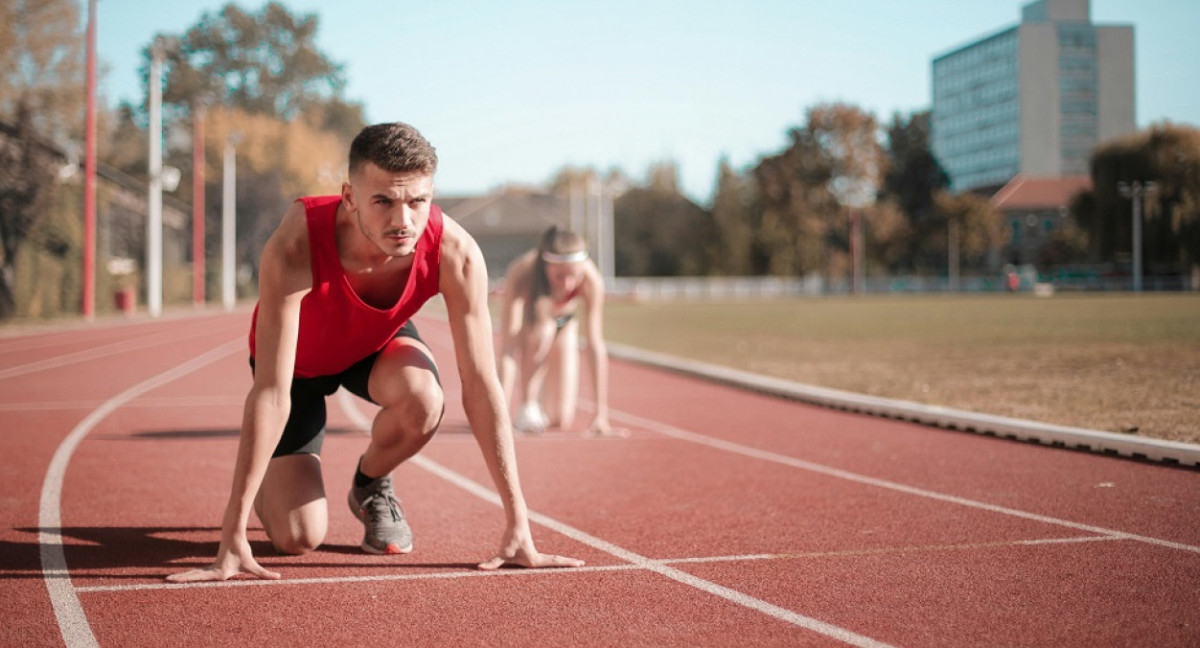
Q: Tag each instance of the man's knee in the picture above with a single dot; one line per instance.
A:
(299, 544)
(418, 408)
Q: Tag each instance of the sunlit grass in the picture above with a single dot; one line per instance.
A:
(1123, 363)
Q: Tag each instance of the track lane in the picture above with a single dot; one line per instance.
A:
(839, 566)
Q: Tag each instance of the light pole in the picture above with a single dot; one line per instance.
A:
(89, 175)
(229, 223)
(1136, 190)
(154, 219)
(199, 108)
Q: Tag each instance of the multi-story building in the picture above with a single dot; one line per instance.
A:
(1033, 99)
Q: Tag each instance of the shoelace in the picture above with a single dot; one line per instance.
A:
(386, 500)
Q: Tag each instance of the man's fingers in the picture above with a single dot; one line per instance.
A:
(493, 564)
(542, 560)
(195, 576)
(214, 574)
(264, 573)
(550, 560)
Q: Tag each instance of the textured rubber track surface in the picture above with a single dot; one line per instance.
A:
(726, 518)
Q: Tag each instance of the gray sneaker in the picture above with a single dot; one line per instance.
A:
(387, 531)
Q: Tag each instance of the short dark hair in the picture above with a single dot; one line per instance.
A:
(394, 147)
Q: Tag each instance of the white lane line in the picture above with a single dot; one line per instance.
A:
(176, 401)
(747, 451)
(741, 598)
(340, 580)
(99, 352)
(337, 580)
(735, 448)
(891, 550)
(72, 621)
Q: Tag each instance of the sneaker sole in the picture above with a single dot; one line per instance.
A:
(390, 550)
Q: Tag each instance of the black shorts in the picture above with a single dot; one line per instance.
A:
(305, 429)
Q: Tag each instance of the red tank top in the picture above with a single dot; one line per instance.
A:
(337, 328)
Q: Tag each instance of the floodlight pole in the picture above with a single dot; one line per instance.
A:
(89, 172)
(229, 223)
(607, 233)
(1136, 190)
(154, 219)
(198, 114)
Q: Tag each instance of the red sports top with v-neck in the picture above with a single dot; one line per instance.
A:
(337, 328)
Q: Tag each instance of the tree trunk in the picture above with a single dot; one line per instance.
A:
(8, 302)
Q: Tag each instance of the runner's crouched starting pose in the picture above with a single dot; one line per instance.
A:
(339, 281)
(548, 291)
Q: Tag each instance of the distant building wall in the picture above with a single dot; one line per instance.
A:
(1032, 99)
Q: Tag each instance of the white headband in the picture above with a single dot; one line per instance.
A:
(578, 255)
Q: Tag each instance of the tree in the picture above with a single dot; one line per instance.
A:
(41, 74)
(262, 77)
(41, 67)
(970, 228)
(733, 219)
(833, 161)
(276, 162)
(1168, 155)
(659, 232)
(914, 176)
(265, 62)
(27, 174)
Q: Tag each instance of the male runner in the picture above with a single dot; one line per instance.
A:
(338, 282)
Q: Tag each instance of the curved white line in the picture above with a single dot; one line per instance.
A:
(630, 557)
(72, 621)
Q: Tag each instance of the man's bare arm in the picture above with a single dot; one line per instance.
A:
(463, 281)
(284, 278)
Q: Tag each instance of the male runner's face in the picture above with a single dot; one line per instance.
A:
(392, 208)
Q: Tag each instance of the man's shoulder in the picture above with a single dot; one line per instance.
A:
(290, 242)
(457, 242)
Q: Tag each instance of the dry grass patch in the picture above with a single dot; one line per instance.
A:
(1119, 363)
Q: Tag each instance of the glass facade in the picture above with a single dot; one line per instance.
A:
(976, 129)
(1078, 100)
(1028, 99)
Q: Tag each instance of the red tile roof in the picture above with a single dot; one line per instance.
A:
(1027, 192)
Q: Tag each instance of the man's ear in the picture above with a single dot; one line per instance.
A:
(348, 197)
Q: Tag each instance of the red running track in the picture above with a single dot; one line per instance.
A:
(727, 518)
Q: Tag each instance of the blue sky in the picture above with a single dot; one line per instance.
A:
(512, 91)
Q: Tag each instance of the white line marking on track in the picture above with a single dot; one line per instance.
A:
(736, 448)
(338, 580)
(891, 550)
(741, 598)
(72, 622)
(99, 352)
(335, 580)
(176, 401)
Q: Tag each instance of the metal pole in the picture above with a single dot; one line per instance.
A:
(1136, 190)
(592, 217)
(198, 203)
(952, 250)
(154, 220)
(89, 173)
(228, 223)
(856, 251)
(608, 267)
(576, 206)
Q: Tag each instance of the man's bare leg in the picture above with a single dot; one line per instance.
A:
(404, 383)
(291, 503)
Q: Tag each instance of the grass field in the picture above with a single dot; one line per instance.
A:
(1119, 363)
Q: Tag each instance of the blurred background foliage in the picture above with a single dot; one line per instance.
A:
(258, 77)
